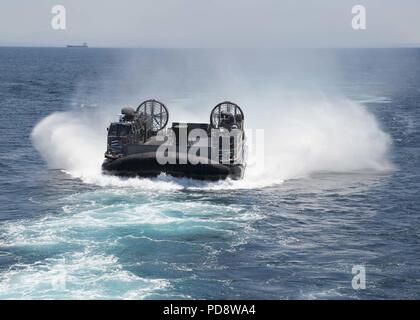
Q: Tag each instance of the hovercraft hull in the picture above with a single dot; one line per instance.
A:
(145, 165)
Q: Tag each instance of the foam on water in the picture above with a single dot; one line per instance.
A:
(79, 275)
(84, 242)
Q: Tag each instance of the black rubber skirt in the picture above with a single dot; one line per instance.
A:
(145, 165)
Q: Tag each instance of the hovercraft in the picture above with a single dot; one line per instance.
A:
(139, 144)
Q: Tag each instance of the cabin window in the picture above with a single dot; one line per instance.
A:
(118, 130)
(124, 130)
(113, 130)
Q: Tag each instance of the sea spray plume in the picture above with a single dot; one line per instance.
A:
(304, 132)
(67, 141)
(302, 136)
(74, 142)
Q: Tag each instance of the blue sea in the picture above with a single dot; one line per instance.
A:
(332, 185)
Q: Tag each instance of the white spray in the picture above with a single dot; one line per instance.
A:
(302, 136)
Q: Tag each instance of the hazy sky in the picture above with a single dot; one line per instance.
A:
(211, 23)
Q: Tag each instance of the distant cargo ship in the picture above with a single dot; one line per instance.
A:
(84, 45)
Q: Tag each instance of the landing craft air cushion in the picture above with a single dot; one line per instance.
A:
(139, 144)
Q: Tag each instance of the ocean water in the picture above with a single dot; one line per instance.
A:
(339, 186)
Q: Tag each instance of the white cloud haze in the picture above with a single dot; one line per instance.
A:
(211, 23)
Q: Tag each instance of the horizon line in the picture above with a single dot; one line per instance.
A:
(402, 46)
